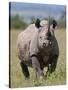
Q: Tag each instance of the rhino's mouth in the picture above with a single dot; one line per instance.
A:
(47, 44)
(46, 49)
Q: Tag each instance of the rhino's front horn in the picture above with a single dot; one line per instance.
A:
(49, 23)
(49, 26)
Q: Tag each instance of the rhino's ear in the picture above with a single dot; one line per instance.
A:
(54, 24)
(37, 23)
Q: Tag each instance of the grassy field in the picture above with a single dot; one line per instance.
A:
(56, 78)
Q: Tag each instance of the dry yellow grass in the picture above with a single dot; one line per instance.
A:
(56, 78)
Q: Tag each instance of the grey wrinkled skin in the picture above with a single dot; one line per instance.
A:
(25, 39)
(38, 48)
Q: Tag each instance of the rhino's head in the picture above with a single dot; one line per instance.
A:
(45, 34)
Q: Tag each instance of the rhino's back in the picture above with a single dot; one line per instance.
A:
(23, 42)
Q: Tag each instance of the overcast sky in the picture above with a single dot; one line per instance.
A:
(28, 10)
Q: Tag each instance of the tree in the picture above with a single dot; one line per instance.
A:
(17, 23)
(62, 20)
(32, 20)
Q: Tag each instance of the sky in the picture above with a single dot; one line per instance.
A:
(29, 10)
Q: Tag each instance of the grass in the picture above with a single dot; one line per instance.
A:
(56, 78)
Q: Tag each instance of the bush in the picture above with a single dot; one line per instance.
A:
(17, 23)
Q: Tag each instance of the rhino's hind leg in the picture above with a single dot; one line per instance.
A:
(51, 65)
(25, 70)
(54, 63)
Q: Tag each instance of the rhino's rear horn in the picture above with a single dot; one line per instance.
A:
(37, 23)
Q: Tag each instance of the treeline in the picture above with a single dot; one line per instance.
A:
(17, 23)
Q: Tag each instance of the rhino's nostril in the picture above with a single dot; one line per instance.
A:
(44, 44)
(47, 43)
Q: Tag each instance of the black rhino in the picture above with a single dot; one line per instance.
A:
(38, 48)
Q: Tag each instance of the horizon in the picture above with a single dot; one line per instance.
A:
(28, 10)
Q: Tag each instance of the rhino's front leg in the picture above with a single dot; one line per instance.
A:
(36, 66)
(52, 64)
